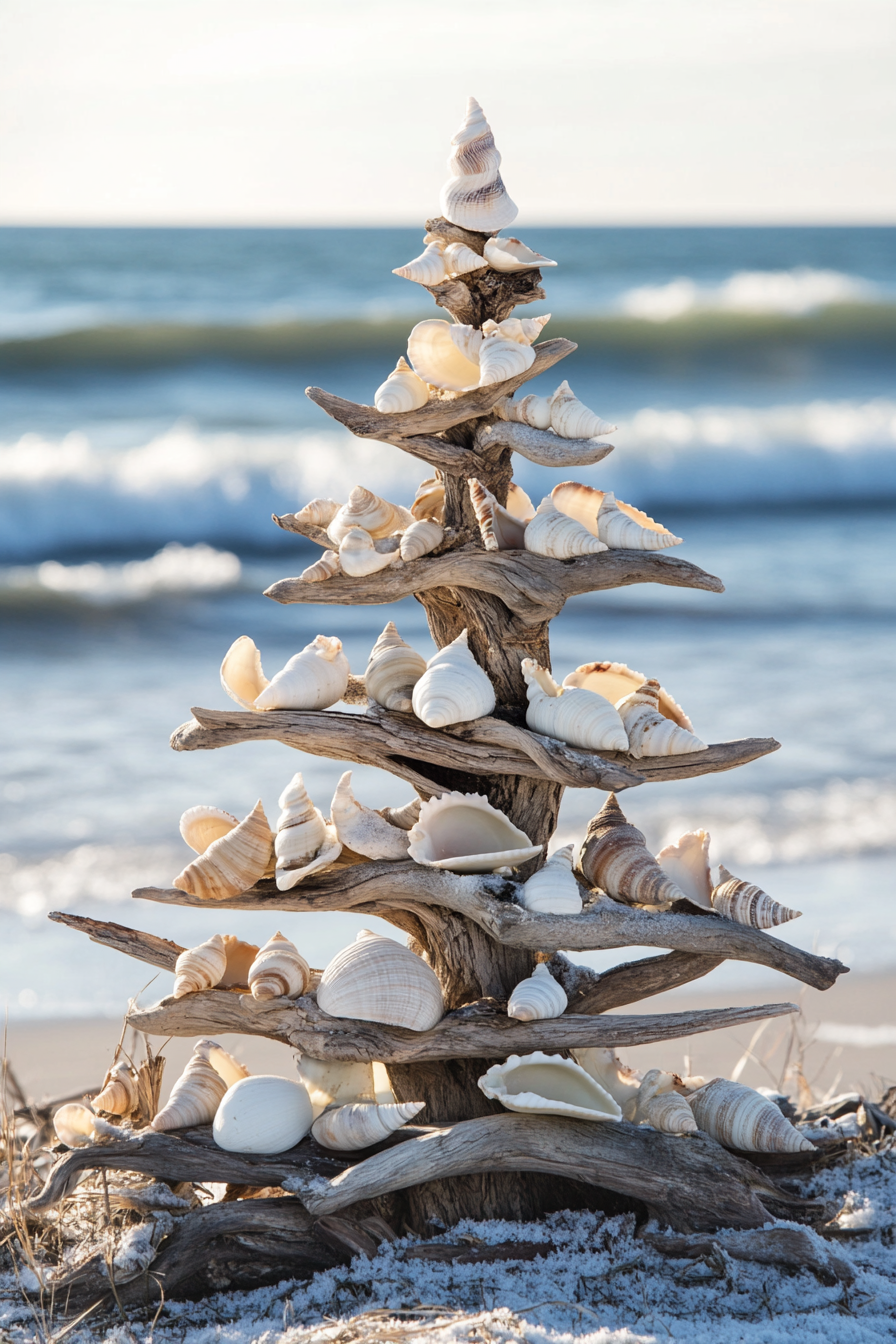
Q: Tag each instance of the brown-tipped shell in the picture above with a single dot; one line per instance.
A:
(369, 511)
(615, 858)
(200, 967)
(499, 528)
(614, 681)
(195, 1096)
(429, 501)
(279, 970)
(361, 1124)
(324, 568)
(119, 1091)
(687, 863)
(650, 733)
(232, 864)
(201, 826)
(623, 527)
(748, 904)
(738, 1117)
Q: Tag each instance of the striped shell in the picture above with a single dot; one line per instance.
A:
(474, 197)
(393, 670)
(366, 510)
(500, 359)
(319, 513)
(539, 996)
(200, 826)
(454, 688)
(402, 391)
(118, 1095)
(650, 733)
(324, 568)
(429, 501)
(195, 1096)
(423, 536)
(554, 534)
(553, 890)
(615, 858)
(233, 863)
(571, 419)
(529, 410)
(738, 1117)
(499, 528)
(347, 1128)
(687, 863)
(614, 681)
(658, 1105)
(279, 970)
(200, 967)
(624, 527)
(361, 829)
(463, 833)
(581, 718)
(375, 979)
(748, 904)
(304, 843)
(540, 1084)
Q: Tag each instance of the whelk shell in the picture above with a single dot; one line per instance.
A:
(658, 1105)
(650, 733)
(279, 970)
(233, 863)
(366, 510)
(623, 527)
(420, 538)
(427, 269)
(324, 568)
(748, 904)
(118, 1095)
(445, 356)
(615, 858)
(509, 254)
(454, 688)
(240, 957)
(200, 967)
(375, 979)
(555, 534)
(738, 1117)
(262, 1114)
(200, 826)
(195, 1096)
(319, 513)
(614, 681)
(460, 259)
(687, 863)
(553, 890)
(571, 419)
(359, 554)
(463, 833)
(363, 830)
(241, 674)
(313, 679)
(474, 197)
(227, 1068)
(607, 1069)
(76, 1125)
(540, 1084)
(362, 1124)
(499, 528)
(429, 501)
(404, 816)
(521, 330)
(500, 359)
(537, 997)
(304, 843)
(519, 503)
(393, 671)
(529, 410)
(581, 718)
(402, 391)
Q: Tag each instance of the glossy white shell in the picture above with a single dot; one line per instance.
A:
(232, 864)
(444, 355)
(539, 996)
(241, 674)
(499, 528)
(571, 419)
(262, 1114)
(605, 1067)
(420, 538)
(363, 830)
(366, 510)
(581, 718)
(687, 863)
(402, 391)
(614, 681)
(345, 1129)
(738, 1117)
(463, 833)
(529, 410)
(558, 536)
(200, 967)
(200, 826)
(375, 979)
(474, 197)
(360, 554)
(623, 527)
(500, 359)
(454, 688)
(650, 733)
(748, 904)
(553, 890)
(324, 568)
(279, 970)
(313, 679)
(540, 1084)
(304, 843)
(509, 254)
(394, 668)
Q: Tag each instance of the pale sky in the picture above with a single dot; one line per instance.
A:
(291, 112)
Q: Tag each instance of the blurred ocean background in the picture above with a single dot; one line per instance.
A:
(152, 417)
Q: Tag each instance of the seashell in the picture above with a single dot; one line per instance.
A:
(553, 890)
(429, 501)
(313, 679)
(279, 970)
(614, 681)
(420, 538)
(304, 843)
(223, 1063)
(233, 863)
(375, 979)
(200, 967)
(429, 268)
(500, 359)
(540, 1084)
(200, 826)
(402, 817)
(76, 1124)
(118, 1095)
(519, 503)
(319, 513)
(262, 1114)
(402, 391)
(626, 528)
(474, 197)
(500, 530)
(558, 536)
(363, 830)
(521, 330)
(747, 904)
(368, 511)
(324, 568)
(240, 957)
(241, 674)
(530, 410)
(537, 997)
(687, 863)
(615, 858)
(571, 419)
(581, 718)
(454, 688)
(393, 671)
(580, 502)
(738, 1117)
(465, 834)
(444, 355)
(195, 1096)
(460, 259)
(607, 1069)
(509, 254)
(360, 555)
(362, 1124)
(650, 733)
(330, 1082)
(661, 1107)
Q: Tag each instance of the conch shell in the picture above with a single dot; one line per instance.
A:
(313, 679)
(439, 260)
(500, 359)
(529, 410)
(519, 503)
(429, 501)
(361, 829)
(420, 538)
(362, 1124)
(615, 858)
(748, 904)
(319, 513)
(581, 718)
(606, 1068)
(200, 967)
(626, 528)
(571, 419)
(445, 355)
(304, 843)
(454, 688)
(324, 568)
(509, 254)
(540, 1084)
(687, 863)
(738, 1117)
(650, 733)
(200, 826)
(402, 391)
(393, 671)
(554, 534)
(614, 681)
(368, 511)
(241, 673)
(499, 528)
(233, 863)
(465, 834)
(279, 970)
(227, 1068)
(474, 197)
(658, 1105)
(118, 1095)
(195, 1096)
(75, 1124)
(537, 997)
(375, 979)
(334, 1082)
(359, 554)
(553, 890)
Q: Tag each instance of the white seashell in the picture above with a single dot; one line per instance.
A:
(738, 1117)
(359, 554)
(201, 825)
(368, 511)
(200, 967)
(319, 513)
(537, 997)
(580, 502)
(375, 979)
(687, 863)
(313, 679)
(658, 1105)
(429, 501)
(521, 330)
(429, 268)
(581, 718)
(402, 391)
(330, 1082)
(509, 254)
(233, 863)
(324, 568)
(519, 503)
(748, 904)
(444, 356)
(553, 890)
(195, 1096)
(76, 1125)
(605, 1067)
(241, 674)
(262, 1114)
(571, 419)
(650, 733)
(362, 1124)
(499, 528)
(454, 688)
(474, 197)
(465, 834)
(393, 670)
(304, 843)
(626, 528)
(420, 538)
(500, 359)
(240, 957)
(460, 259)
(530, 410)
(614, 681)
(615, 858)
(363, 830)
(279, 970)
(228, 1069)
(403, 817)
(118, 1095)
(558, 536)
(540, 1084)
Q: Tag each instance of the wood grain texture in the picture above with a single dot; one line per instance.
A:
(591, 991)
(476, 296)
(541, 445)
(793, 1247)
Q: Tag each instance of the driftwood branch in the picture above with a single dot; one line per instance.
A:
(793, 1247)
(598, 991)
(541, 445)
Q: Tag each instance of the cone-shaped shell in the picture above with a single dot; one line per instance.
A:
(509, 254)
(361, 829)
(661, 1107)
(420, 538)
(241, 674)
(748, 904)
(429, 268)
(615, 858)
(623, 527)
(738, 1117)
(500, 359)
(200, 967)
(359, 554)
(460, 259)
(202, 825)
(606, 1068)
(304, 843)
(313, 679)
(614, 681)
(402, 391)
(539, 996)
(330, 1082)
(227, 1068)
(650, 733)
(76, 1125)
(558, 536)
(393, 670)
(263, 1114)
(540, 1084)
(521, 330)
(581, 502)
(571, 419)
(319, 513)
(362, 1124)
(429, 501)
(500, 530)
(454, 688)
(529, 410)
(375, 979)
(366, 510)
(118, 1095)
(463, 833)
(279, 970)
(519, 503)
(324, 568)
(195, 1096)
(474, 197)
(403, 817)
(687, 863)
(232, 864)
(581, 718)
(553, 890)
(444, 356)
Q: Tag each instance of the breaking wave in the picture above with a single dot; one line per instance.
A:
(173, 569)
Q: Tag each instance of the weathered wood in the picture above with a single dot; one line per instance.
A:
(793, 1247)
(542, 446)
(477, 296)
(597, 992)
(146, 947)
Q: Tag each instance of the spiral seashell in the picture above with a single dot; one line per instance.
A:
(530, 410)
(313, 679)
(626, 528)
(361, 829)
(76, 1125)
(662, 1108)
(540, 1084)
(429, 268)
(319, 513)
(499, 529)
(200, 967)
(393, 671)
(474, 197)
(402, 391)
(262, 1114)
(509, 254)
(537, 997)
(571, 419)
(324, 568)
(747, 904)
(279, 970)
(345, 1129)
(614, 681)
(454, 688)
(500, 359)
(118, 1095)
(240, 957)
(520, 330)
(460, 259)
(232, 864)
(553, 890)
(200, 826)
(687, 863)
(403, 817)
(241, 674)
(581, 718)
(368, 511)
(195, 1096)
(738, 1117)
(420, 538)
(558, 536)
(227, 1068)
(463, 833)
(519, 503)
(429, 501)
(304, 843)
(333, 1082)
(359, 554)
(445, 355)
(578, 501)
(615, 858)
(375, 979)
(650, 733)
(607, 1069)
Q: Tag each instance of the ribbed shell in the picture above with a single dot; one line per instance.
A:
(650, 733)
(626, 528)
(454, 688)
(571, 418)
(529, 410)
(241, 674)
(324, 568)
(444, 355)
(474, 197)
(263, 1114)
(738, 1117)
(347, 1128)
(539, 996)
(553, 890)
(614, 681)
(500, 359)
(687, 863)
(558, 536)
(361, 829)
(118, 1095)
(615, 858)
(460, 259)
(581, 718)
(279, 970)
(403, 817)
(195, 1096)
(402, 391)
(200, 826)
(661, 1107)
(319, 513)
(232, 864)
(375, 979)
(499, 529)
(393, 670)
(304, 843)
(463, 833)
(200, 967)
(429, 501)
(522, 330)
(423, 536)
(748, 904)
(366, 510)
(360, 555)
(509, 254)
(313, 679)
(605, 1067)
(540, 1084)
(427, 269)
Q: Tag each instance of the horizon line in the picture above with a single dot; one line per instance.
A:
(886, 222)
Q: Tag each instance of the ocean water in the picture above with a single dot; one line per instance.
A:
(153, 416)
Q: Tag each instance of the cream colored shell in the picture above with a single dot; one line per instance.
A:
(500, 359)
(519, 503)
(366, 510)
(529, 410)
(200, 967)
(499, 528)
(553, 890)
(313, 679)
(402, 391)
(538, 996)
(748, 904)
(578, 501)
(201, 825)
(454, 688)
(650, 733)
(262, 1114)
(606, 1068)
(319, 513)
(614, 681)
(474, 197)
(375, 979)
(195, 1096)
(241, 674)
(571, 419)
(540, 1084)
(335, 1082)
(687, 863)
(360, 554)
(615, 858)
(227, 1068)
(427, 269)
(76, 1125)
(556, 535)
(279, 970)
(347, 1128)
(394, 668)
(658, 1105)
(738, 1117)
(324, 568)
(304, 843)
(361, 829)
(463, 833)
(429, 501)
(423, 536)
(233, 863)
(581, 718)
(445, 356)
(240, 957)
(624, 527)
(118, 1095)
(404, 816)
(509, 254)
(521, 330)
